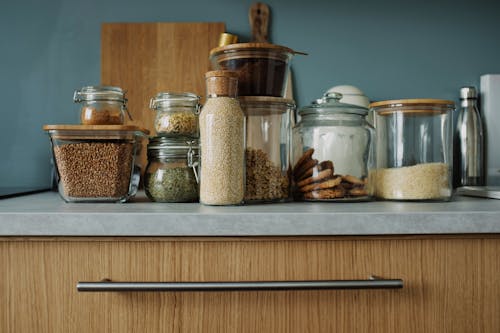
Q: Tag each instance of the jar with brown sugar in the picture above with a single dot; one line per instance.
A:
(101, 105)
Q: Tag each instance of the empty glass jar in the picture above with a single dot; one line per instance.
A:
(333, 152)
(172, 171)
(414, 149)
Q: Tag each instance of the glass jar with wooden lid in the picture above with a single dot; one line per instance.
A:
(414, 149)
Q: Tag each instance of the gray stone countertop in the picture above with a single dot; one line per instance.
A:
(46, 214)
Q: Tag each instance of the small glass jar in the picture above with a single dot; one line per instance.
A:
(414, 149)
(333, 152)
(267, 148)
(101, 105)
(172, 171)
(176, 114)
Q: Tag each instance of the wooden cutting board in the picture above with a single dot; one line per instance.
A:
(148, 58)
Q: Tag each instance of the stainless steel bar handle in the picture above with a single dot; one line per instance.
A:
(372, 283)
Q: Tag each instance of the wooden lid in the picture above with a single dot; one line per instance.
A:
(416, 106)
(91, 128)
(413, 101)
(254, 46)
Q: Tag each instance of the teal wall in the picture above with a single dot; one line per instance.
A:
(389, 49)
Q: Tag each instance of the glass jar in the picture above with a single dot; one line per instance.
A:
(176, 114)
(414, 149)
(96, 164)
(333, 152)
(267, 148)
(222, 137)
(172, 171)
(101, 105)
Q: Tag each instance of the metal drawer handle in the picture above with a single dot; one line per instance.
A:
(371, 283)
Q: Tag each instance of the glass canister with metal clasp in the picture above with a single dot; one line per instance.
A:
(176, 114)
(333, 152)
(102, 105)
(172, 171)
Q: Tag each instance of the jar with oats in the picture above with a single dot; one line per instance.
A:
(101, 105)
(222, 142)
(176, 114)
(267, 148)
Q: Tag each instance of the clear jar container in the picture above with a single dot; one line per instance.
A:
(267, 148)
(96, 165)
(414, 149)
(172, 171)
(263, 68)
(101, 105)
(176, 114)
(222, 142)
(333, 152)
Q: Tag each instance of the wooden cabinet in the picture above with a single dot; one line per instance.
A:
(451, 284)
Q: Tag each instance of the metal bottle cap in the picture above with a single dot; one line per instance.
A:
(226, 39)
(468, 93)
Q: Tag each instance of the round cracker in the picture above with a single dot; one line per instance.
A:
(306, 166)
(324, 174)
(353, 180)
(305, 156)
(325, 194)
(329, 183)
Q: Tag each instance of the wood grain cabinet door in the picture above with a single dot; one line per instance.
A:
(450, 285)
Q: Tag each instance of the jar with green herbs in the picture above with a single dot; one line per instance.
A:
(172, 171)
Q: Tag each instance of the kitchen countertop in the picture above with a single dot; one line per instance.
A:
(46, 214)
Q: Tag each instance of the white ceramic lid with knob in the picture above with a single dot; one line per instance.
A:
(351, 95)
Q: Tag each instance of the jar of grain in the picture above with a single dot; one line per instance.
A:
(222, 134)
(101, 105)
(333, 152)
(267, 148)
(172, 171)
(414, 152)
(96, 163)
(176, 114)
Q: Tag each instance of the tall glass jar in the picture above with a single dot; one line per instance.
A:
(414, 149)
(333, 152)
(172, 171)
(176, 114)
(222, 137)
(267, 148)
(101, 105)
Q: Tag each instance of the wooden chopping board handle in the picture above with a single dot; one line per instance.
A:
(259, 22)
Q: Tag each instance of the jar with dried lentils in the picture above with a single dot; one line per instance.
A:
(222, 133)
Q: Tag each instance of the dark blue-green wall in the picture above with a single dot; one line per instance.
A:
(389, 49)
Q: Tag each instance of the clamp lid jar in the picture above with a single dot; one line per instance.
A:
(176, 113)
(333, 152)
(172, 171)
(101, 105)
